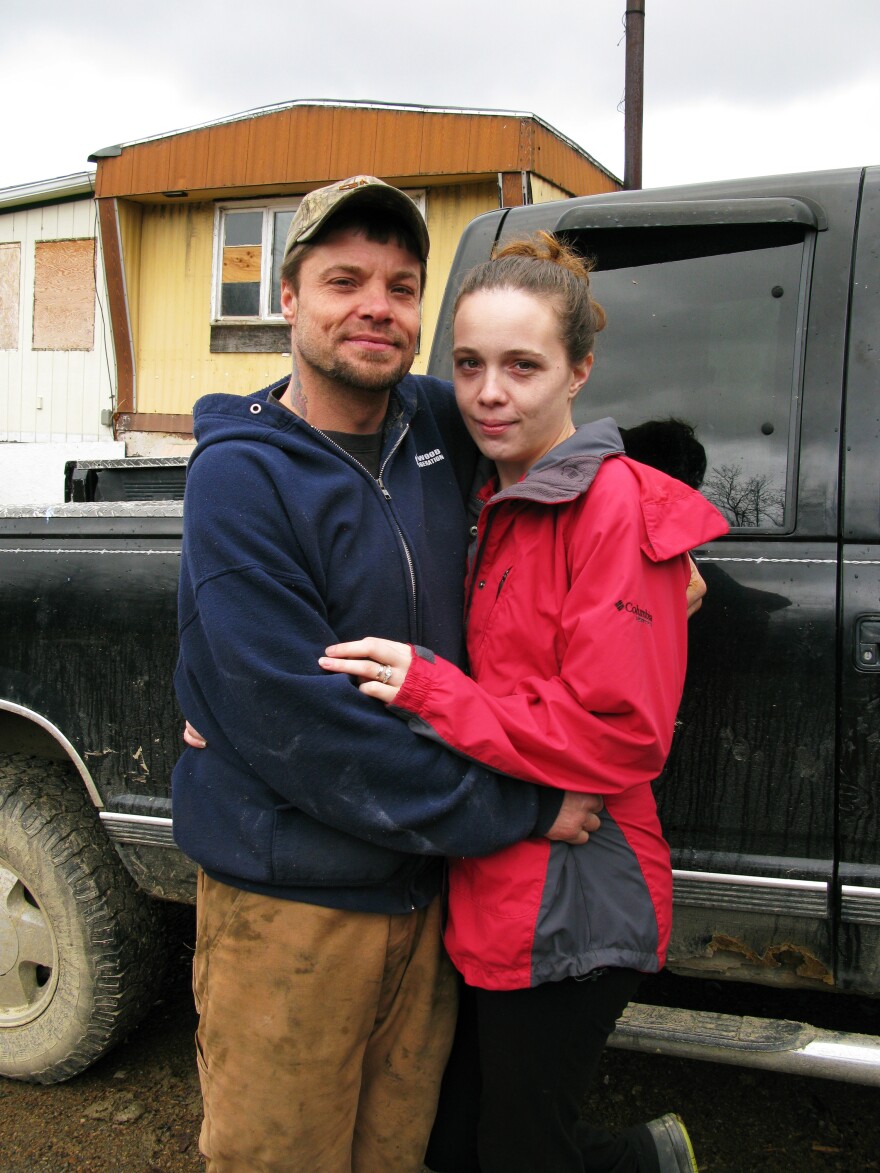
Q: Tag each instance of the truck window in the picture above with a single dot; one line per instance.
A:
(704, 328)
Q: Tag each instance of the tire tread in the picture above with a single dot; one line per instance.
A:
(124, 929)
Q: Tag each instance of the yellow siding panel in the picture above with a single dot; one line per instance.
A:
(449, 211)
(173, 358)
(130, 221)
(171, 260)
(543, 191)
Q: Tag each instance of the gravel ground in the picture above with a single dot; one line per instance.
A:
(138, 1110)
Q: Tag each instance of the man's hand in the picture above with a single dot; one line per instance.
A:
(577, 818)
(696, 588)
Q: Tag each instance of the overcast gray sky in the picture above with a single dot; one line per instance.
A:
(744, 87)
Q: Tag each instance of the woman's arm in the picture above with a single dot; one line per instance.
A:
(600, 718)
(369, 658)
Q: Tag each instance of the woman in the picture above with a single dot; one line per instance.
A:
(576, 635)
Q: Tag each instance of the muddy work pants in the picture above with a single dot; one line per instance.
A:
(322, 1034)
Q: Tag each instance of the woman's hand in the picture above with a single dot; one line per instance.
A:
(381, 663)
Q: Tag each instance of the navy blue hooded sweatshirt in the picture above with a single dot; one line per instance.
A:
(309, 790)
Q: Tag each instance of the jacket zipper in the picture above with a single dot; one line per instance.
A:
(478, 559)
(387, 495)
(503, 581)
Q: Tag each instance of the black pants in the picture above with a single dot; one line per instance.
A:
(521, 1065)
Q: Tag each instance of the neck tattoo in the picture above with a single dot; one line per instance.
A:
(298, 399)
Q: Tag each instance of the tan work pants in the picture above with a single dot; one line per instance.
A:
(322, 1034)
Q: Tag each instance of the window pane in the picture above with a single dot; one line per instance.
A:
(702, 327)
(243, 227)
(240, 299)
(280, 224)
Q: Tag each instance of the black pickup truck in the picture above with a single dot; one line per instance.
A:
(743, 337)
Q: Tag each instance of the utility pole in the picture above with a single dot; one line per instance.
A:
(633, 95)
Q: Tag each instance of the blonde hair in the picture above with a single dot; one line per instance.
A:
(545, 267)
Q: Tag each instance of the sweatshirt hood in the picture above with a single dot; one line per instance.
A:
(260, 417)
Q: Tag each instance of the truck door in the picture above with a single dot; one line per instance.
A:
(859, 750)
(723, 360)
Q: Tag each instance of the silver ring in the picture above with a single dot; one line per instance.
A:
(385, 674)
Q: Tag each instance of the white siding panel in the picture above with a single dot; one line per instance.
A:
(55, 396)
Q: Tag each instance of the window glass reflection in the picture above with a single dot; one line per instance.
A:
(716, 347)
(243, 228)
(280, 224)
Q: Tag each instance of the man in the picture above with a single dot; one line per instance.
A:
(319, 509)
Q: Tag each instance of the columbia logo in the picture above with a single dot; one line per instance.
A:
(640, 613)
(425, 459)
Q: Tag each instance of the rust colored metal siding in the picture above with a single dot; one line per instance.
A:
(300, 147)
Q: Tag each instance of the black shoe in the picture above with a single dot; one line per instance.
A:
(674, 1149)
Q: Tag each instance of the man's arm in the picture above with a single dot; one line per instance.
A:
(578, 816)
(696, 589)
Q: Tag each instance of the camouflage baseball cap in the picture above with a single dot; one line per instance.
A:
(318, 206)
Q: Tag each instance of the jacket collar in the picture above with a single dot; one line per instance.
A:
(568, 470)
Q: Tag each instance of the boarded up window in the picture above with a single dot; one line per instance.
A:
(249, 263)
(64, 295)
(10, 268)
(242, 264)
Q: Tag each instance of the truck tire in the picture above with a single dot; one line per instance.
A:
(82, 951)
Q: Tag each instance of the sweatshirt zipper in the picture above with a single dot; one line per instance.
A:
(386, 494)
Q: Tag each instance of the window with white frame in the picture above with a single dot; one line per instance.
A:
(249, 242)
(249, 247)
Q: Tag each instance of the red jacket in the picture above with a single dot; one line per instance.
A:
(577, 637)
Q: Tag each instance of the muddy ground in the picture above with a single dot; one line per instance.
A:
(138, 1110)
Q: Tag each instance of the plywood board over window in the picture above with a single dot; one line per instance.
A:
(64, 295)
(10, 270)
